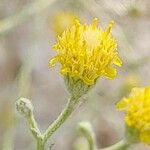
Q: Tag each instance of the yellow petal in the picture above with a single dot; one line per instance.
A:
(122, 104)
(118, 62)
(110, 72)
(52, 61)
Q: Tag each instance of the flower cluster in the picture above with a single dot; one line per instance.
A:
(87, 52)
(137, 109)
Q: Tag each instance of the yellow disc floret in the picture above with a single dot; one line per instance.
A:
(137, 108)
(87, 52)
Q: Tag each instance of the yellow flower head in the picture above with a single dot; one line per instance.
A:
(62, 21)
(137, 109)
(87, 52)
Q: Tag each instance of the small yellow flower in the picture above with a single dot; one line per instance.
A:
(137, 109)
(62, 20)
(87, 52)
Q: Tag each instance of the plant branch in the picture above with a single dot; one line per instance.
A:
(25, 107)
(61, 118)
(33, 126)
(86, 130)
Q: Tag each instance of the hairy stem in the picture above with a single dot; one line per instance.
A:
(86, 129)
(61, 118)
(33, 126)
(40, 145)
(24, 106)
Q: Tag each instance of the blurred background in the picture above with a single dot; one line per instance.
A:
(28, 29)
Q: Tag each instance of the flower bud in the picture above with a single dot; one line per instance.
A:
(24, 106)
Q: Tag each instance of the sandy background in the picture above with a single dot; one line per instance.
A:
(25, 49)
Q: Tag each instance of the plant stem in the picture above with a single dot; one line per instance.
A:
(25, 108)
(86, 129)
(33, 123)
(91, 141)
(40, 144)
(122, 145)
(35, 131)
(61, 118)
